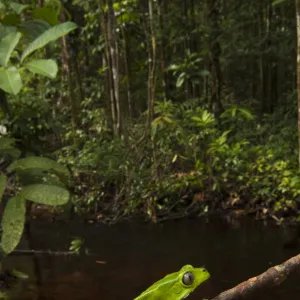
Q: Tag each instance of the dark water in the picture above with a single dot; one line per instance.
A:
(138, 254)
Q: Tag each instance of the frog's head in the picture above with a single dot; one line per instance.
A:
(188, 278)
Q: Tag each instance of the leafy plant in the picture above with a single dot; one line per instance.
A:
(76, 244)
(10, 75)
(36, 189)
(37, 179)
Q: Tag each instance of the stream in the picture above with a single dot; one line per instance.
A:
(126, 258)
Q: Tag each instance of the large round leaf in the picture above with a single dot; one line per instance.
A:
(11, 20)
(13, 221)
(5, 30)
(48, 36)
(35, 162)
(17, 7)
(7, 45)
(46, 14)
(34, 28)
(45, 194)
(10, 80)
(45, 67)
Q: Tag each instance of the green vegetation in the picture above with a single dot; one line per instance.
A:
(37, 179)
(157, 108)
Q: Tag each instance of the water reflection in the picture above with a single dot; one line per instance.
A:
(138, 254)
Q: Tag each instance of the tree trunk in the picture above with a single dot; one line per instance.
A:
(67, 67)
(114, 54)
(215, 52)
(126, 50)
(151, 65)
(110, 76)
(164, 79)
(298, 71)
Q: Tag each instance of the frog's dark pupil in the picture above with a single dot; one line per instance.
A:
(188, 278)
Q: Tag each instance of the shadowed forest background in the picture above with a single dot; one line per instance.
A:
(147, 110)
(165, 108)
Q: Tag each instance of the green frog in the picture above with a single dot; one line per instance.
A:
(177, 285)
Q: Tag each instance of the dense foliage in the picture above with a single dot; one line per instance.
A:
(32, 178)
(164, 107)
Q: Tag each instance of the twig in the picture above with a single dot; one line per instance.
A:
(273, 276)
(41, 252)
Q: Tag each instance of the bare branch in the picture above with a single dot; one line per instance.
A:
(271, 277)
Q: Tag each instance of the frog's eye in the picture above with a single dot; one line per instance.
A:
(188, 278)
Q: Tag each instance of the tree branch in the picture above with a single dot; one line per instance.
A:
(273, 276)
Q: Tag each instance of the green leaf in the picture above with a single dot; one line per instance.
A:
(233, 111)
(277, 2)
(17, 7)
(197, 119)
(13, 221)
(11, 20)
(246, 113)
(207, 117)
(34, 28)
(48, 36)
(5, 30)
(45, 67)
(35, 162)
(7, 148)
(19, 275)
(7, 46)
(10, 80)
(12, 153)
(45, 194)
(56, 5)
(204, 73)
(47, 14)
(180, 80)
(2, 185)
(6, 142)
(173, 68)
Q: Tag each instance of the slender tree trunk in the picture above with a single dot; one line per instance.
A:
(114, 54)
(164, 79)
(110, 82)
(151, 64)
(193, 47)
(298, 70)
(4, 103)
(127, 72)
(68, 70)
(215, 52)
(261, 59)
(78, 81)
(186, 47)
(67, 67)
(268, 62)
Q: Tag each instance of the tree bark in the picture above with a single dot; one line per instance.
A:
(164, 79)
(151, 65)
(298, 71)
(273, 276)
(114, 54)
(215, 52)
(67, 67)
(104, 25)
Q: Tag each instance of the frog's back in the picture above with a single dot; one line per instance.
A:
(159, 290)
